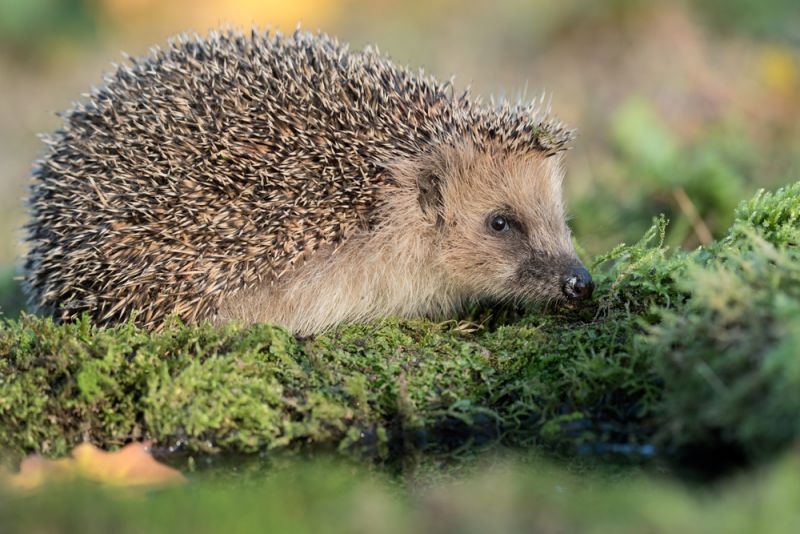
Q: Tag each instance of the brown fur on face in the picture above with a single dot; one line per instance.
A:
(434, 249)
(529, 259)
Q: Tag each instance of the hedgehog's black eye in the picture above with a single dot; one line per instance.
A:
(498, 223)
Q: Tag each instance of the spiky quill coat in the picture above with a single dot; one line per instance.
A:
(218, 164)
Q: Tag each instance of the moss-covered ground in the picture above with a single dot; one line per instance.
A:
(680, 350)
(686, 361)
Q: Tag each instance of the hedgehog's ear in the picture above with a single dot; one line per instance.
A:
(429, 195)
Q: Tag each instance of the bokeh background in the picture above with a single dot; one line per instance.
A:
(683, 107)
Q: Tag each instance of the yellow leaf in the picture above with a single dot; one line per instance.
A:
(35, 471)
(779, 69)
(130, 466)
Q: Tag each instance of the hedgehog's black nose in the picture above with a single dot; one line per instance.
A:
(578, 285)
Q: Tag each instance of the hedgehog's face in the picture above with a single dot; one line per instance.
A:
(502, 226)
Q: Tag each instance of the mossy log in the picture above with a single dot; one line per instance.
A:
(681, 351)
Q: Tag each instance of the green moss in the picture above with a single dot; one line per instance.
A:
(730, 357)
(679, 349)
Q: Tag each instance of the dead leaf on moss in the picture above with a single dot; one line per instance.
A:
(132, 465)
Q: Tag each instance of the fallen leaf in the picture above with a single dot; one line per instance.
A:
(132, 465)
(35, 471)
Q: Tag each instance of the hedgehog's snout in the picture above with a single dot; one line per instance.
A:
(577, 284)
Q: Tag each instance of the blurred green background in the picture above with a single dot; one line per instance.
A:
(683, 107)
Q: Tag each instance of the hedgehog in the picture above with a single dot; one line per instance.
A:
(287, 179)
